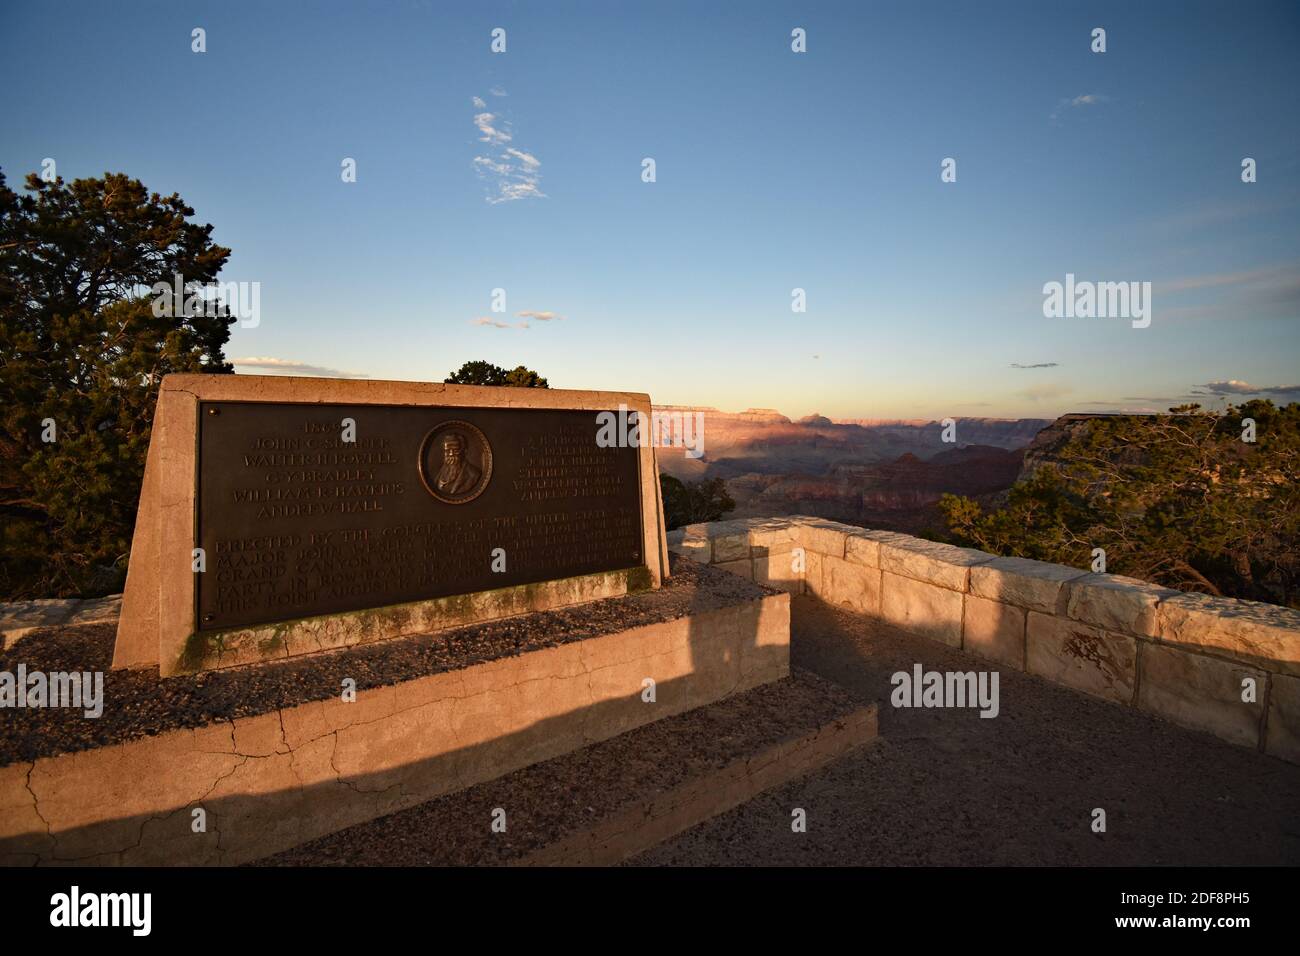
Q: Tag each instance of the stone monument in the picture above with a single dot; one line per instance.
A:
(364, 595)
(281, 516)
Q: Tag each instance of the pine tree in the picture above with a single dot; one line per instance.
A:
(1179, 499)
(485, 373)
(81, 357)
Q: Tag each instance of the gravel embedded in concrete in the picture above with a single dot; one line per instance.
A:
(137, 703)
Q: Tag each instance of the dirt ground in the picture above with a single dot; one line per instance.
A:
(947, 787)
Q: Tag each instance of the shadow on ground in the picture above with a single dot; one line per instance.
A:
(947, 787)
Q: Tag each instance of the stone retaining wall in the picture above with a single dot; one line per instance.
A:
(1189, 658)
(275, 780)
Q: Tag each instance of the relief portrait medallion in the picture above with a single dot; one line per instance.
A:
(455, 462)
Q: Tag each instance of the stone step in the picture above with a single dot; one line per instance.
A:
(278, 754)
(617, 798)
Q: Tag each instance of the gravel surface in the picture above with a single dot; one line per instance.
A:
(947, 787)
(549, 801)
(138, 703)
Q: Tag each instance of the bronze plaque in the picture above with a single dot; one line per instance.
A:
(296, 521)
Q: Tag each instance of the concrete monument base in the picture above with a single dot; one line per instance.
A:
(471, 706)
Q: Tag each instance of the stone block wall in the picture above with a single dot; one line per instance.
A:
(1189, 658)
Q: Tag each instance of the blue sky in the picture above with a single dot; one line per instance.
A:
(775, 170)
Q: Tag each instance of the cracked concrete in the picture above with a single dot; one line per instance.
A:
(275, 779)
(138, 704)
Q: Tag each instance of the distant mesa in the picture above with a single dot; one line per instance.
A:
(882, 473)
(763, 415)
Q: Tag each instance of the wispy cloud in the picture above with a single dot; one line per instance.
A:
(1234, 386)
(1036, 365)
(1244, 294)
(1280, 282)
(1231, 386)
(1066, 104)
(279, 366)
(478, 102)
(528, 159)
(540, 316)
(497, 324)
(511, 173)
(1215, 212)
(497, 91)
(486, 123)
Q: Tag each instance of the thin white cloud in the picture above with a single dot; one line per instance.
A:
(520, 190)
(497, 324)
(528, 159)
(498, 91)
(486, 164)
(1231, 386)
(1275, 283)
(512, 173)
(1073, 103)
(484, 122)
(1216, 212)
(478, 103)
(1267, 292)
(279, 366)
(539, 316)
